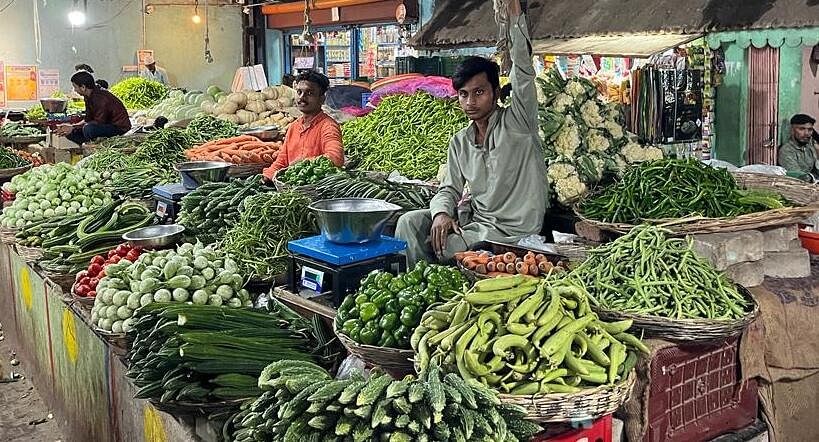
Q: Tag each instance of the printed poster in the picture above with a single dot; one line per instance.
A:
(142, 55)
(2, 86)
(49, 82)
(21, 82)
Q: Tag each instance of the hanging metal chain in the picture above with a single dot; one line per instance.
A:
(306, 34)
(504, 33)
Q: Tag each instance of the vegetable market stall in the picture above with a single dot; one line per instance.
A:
(73, 367)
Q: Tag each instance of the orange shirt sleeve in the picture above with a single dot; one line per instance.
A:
(282, 160)
(331, 145)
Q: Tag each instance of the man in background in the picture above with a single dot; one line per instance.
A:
(153, 72)
(105, 115)
(799, 154)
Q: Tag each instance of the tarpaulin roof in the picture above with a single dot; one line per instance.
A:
(469, 23)
(639, 46)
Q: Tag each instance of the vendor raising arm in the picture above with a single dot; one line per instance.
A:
(498, 155)
(105, 115)
(314, 134)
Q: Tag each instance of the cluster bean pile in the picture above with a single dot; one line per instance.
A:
(525, 336)
(407, 133)
(302, 402)
(647, 273)
(675, 189)
(268, 222)
(352, 184)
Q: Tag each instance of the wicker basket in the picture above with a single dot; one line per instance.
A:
(63, 280)
(119, 342)
(796, 191)
(29, 254)
(23, 140)
(683, 330)
(7, 235)
(246, 170)
(584, 405)
(396, 362)
(13, 172)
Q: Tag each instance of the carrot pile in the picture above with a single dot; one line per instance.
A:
(244, 149)
(508, 263)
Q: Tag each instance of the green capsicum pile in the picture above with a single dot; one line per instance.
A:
(308, 171)
(526, 336)
(385, 310)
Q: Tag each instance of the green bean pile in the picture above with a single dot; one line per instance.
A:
(268, 222)
(10, 160)
(108, 161)
(138, 181)
(139, 93)
(119, 142)
(671, 188)
(647, 273)
(407, 133)
(165, 148)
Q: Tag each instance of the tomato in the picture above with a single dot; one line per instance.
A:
(111, 254)
(81, 274)
(115, 259)
(82, 290)
(84, 280)
(93, 282)
(132, 255)
(94, 269)
(101, 274)
(122, 250)
(92, 294)
(99, 259)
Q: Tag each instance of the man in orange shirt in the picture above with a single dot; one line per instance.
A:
(314, 134)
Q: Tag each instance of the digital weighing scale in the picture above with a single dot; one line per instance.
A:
(321, 267)
(168, 198)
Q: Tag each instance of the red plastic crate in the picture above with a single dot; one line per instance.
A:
(695, 393)
(600, 431)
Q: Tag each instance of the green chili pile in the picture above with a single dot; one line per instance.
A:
(205, 128)
(407, 133)
(671, 188)
(139, 93)
(165, 147)
(268, 222)
(119, 142)
(647, 273)
(10, 160)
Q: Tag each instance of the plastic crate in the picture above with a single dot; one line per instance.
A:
(696, 395)
(450, 64)
(599, 431)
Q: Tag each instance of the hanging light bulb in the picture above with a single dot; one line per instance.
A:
(196, 18)
(75, 16)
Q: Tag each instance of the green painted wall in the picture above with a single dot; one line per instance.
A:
(731, 108)
(790, 88)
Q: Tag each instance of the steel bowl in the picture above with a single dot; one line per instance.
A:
(54, 105)
(196, 173)
(155, 237)
(353, 220)
(264, 133)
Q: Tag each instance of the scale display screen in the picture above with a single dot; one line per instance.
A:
(312, 279)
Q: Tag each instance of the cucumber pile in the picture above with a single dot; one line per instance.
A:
(302, 402)
(71, 242)
(202, 275)
(214, 208)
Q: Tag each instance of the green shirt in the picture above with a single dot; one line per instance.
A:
(506, 175)
(796, 158)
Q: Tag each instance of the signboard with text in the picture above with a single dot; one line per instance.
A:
(48, 82)
(21, 82)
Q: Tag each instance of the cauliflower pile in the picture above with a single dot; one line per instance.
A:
(583, 141)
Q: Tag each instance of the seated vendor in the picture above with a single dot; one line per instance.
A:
(314, 134)
(105, 115)
(498, 155)
(799, 153)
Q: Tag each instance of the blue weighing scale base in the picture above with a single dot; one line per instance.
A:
(317, 247)
(344, 264)
(173, 192)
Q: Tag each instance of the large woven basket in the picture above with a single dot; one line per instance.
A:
(14, 171)
(682, 330)
(119, 342)
(796, 191)
(63, 280)
(396, 362)
(246, 170)
(29, 254)
(583, 405)
(7, 235)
